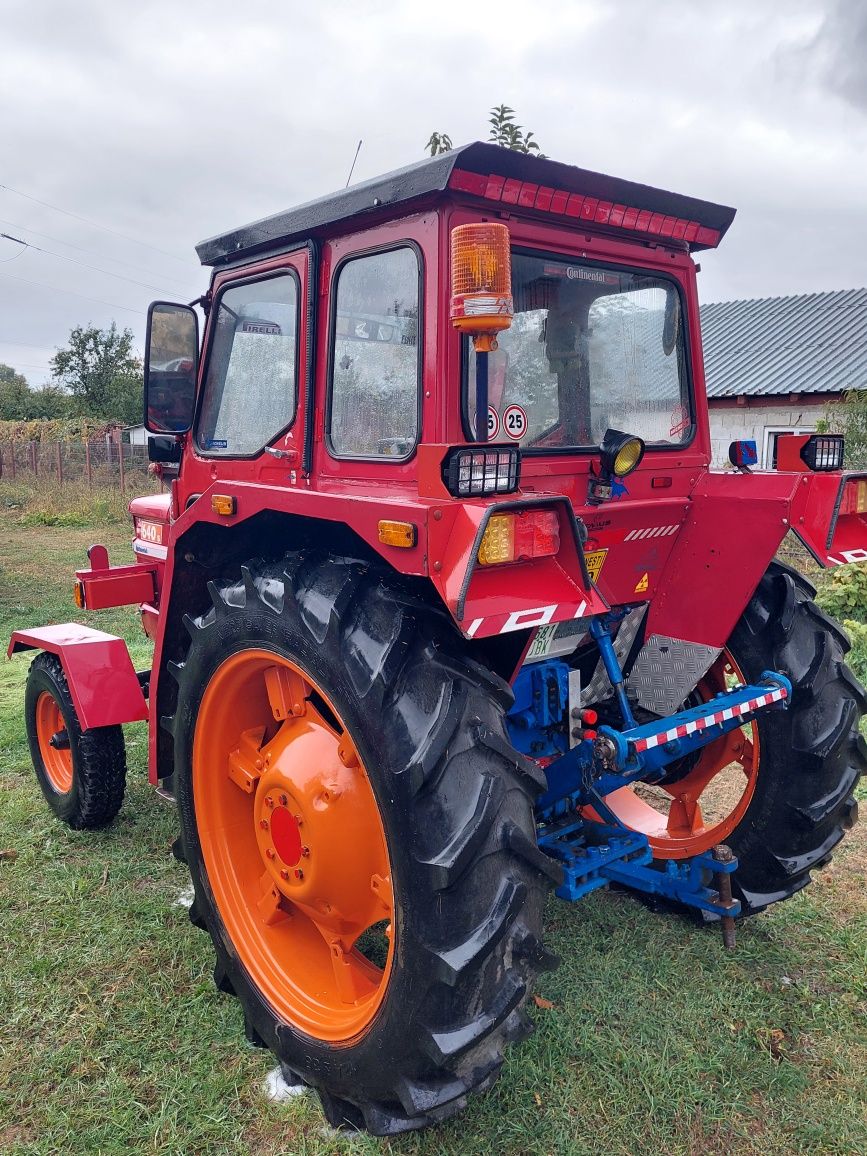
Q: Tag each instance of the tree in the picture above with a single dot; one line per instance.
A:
(504, 132)
(14, 395)
(101, 372)
(849, 417)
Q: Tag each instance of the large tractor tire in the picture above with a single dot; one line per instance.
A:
(781, 789)
(82, 773)
(360, 837)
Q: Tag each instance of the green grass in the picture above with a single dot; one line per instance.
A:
(114, 1040)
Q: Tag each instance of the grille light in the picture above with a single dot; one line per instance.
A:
(470, 473)
(823, 452)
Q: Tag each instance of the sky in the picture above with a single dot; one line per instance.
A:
(150, 126)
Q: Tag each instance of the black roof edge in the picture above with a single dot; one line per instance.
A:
(427, 177)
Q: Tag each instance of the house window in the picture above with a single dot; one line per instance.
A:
(769, 457)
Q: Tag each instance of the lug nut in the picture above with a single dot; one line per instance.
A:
(284, 874)
(270, 853)
(263, 823)
(305, 851)
(283, 800)
(269, 802)
(299, 874)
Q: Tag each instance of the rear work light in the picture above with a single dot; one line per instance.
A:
(470, 473)
(519, 536)
(823, 452)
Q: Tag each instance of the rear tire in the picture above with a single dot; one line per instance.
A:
(456, 807)
(812, 754)
(82, 774)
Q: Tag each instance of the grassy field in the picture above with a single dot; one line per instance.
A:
(114, 1040)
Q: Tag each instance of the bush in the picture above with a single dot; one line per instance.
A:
(843, 593)
(857, 657)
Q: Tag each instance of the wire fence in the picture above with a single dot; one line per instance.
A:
(107, 462)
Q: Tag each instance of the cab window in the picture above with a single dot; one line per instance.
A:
(250, 386)
(589, 348)
(375, 367)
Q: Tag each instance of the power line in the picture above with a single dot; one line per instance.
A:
(71, 293)
(82, 264)
(93, 224)
(91, 252)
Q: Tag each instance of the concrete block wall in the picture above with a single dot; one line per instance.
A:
(733, 422)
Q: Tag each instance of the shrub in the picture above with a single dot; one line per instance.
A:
(843, 593)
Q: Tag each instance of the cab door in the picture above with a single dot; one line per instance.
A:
(249, 423)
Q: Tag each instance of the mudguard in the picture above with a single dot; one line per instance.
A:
(102, 680)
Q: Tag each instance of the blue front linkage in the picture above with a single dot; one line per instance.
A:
(594, 853)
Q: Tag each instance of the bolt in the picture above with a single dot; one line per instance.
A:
(576, 732)
(576, 712)
(259, 764)
(305, 851)
(298, 819)
(283, 800)
(299, 874)
(723, 882)
(284, 874)
(270, 853)
(269, 802)
(263, 823)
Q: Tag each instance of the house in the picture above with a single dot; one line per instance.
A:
(774, 364)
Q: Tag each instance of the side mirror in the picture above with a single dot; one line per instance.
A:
(170, 368)
(164, 449)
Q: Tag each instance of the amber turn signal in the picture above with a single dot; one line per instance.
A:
(402, 534)
(223, 504)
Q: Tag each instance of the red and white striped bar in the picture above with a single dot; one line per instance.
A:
(710, 720)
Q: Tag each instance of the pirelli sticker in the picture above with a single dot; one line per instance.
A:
(595, 560)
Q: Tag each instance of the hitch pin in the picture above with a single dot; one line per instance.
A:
(723, 884)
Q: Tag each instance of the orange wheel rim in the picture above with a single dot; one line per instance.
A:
(57, 760)
(703, 807)
(293, 845)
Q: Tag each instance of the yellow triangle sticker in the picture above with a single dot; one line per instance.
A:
(643, 583)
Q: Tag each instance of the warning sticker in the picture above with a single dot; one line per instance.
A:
(680, 421)
(595, 560)
(514, 422)
(642, 584)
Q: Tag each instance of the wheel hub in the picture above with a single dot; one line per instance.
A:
(293, 841)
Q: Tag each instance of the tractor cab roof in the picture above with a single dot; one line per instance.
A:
(492, 175)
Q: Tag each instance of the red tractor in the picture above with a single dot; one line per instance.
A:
(448, 607)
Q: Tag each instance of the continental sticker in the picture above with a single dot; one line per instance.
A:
(595, 560)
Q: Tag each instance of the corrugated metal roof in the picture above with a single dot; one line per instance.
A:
(812, 343)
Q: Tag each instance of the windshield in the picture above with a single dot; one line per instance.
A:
(589, 349)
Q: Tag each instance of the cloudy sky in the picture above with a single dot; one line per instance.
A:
(153, 125)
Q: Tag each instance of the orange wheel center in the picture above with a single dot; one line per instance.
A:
(293, 845)
(53, 743)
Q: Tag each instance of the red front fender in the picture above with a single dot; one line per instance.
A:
(102, 680)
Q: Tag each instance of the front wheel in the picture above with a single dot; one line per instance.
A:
(82, 774)
(360, 838)
(779, 790)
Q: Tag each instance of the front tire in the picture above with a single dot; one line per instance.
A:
(429, 771)
(82, 774)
